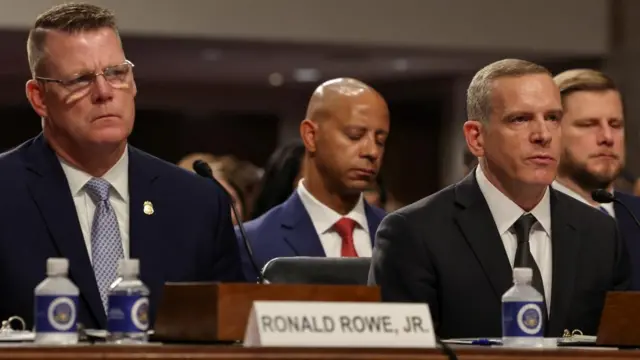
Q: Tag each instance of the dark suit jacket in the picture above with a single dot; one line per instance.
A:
(188, 238)
(287, 230)
(445, 250)
(630, 233)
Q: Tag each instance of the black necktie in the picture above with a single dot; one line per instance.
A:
(524, 258)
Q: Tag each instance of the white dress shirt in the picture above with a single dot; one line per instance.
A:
(558, 186)
(324, 218)
(118, 177)
(505, 213)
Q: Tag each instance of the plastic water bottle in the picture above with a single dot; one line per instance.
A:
(56, 304)
(128, 314)
(522, 315)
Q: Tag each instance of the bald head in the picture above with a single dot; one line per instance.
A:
(344, 133)
(337, 94)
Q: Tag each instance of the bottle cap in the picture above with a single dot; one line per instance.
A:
(57, 266)
(522, 275)
(128, 267)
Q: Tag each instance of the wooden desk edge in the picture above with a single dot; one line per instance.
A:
(160, 352)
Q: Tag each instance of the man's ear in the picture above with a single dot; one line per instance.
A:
(35, 94)
(308, 134)
(474, 136)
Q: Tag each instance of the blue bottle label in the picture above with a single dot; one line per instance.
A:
(55, 313)
(522, 319)
(128, 313)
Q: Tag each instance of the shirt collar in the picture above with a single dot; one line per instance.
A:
(562, 188)
(323, 217)
(505, 212)
(117, 176)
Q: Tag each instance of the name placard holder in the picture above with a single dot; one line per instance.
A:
(339, 324)
(218, 312)
(619, 320)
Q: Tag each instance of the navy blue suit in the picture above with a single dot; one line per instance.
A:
(287, 230)
(189, 237)
(630, 233)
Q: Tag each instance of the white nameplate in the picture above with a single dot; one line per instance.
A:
(339, 324)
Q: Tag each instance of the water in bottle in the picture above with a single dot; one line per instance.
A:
(522, 322)
(128, 314)
(56, 304)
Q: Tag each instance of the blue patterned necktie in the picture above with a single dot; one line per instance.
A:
(106, 245)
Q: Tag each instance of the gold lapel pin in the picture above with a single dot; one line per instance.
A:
(148, 208)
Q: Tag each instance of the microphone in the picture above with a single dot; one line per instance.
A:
(203, 169)
(604, 197)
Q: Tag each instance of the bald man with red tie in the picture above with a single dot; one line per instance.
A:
(344, 134)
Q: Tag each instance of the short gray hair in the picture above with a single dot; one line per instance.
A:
(70, 18)
(479, 91)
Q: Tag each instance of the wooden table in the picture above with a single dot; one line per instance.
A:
(166, 352)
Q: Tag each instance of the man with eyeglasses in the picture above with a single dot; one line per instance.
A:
(79, 191)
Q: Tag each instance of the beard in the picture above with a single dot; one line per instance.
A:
(585, 179)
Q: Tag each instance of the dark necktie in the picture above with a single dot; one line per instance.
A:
(524, 258)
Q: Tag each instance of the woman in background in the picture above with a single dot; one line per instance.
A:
(377, 196)
(222, 168)
(187, 161)
(281, 175)
(235, 192)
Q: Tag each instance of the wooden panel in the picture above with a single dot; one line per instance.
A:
(620, 318)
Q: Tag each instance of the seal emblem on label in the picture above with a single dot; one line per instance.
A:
(140, 314)
(62, 314)
(530, 319)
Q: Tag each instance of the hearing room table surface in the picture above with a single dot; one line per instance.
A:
(162, 352)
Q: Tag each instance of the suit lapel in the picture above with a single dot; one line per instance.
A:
(297, 229)
(622, 218)
(145, 227)
(481, 233)
(372, 220)
(630, 233)
(49, 188)
(626, 225)
(565, 247)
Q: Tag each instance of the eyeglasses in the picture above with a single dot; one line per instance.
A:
(116, 75)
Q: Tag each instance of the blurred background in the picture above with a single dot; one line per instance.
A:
(232, 77)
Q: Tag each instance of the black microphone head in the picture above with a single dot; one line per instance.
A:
(602, 196)
(203, 169)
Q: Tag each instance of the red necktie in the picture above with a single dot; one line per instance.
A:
(344, 227)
